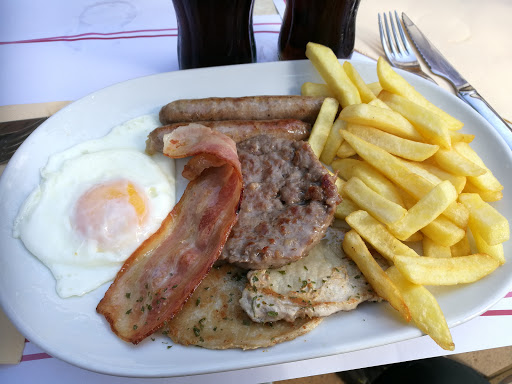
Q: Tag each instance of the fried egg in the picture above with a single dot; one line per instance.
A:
(95, 204)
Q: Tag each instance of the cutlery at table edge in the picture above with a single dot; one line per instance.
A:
(13, 133)
(396, 46)
(440, 66)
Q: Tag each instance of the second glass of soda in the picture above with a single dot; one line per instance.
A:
(328, 22)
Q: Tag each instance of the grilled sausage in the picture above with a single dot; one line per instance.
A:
(238, 130)
(303, 108)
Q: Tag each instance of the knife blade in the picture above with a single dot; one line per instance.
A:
(441, 67)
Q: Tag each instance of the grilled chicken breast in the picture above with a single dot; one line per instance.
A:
(324, 282)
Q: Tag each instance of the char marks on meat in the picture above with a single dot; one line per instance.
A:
(303, 108)
(322, 283)
(289, 202)
(213, 318)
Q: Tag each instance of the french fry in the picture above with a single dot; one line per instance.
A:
(356, 249)
(398, 171)
(333, 142)
(416, 168)
(316, 90)
(375, 87)
(348, 168)
(407, 198)
(384, 119)
(462, 248)
(458, 136)
(459, 182)
(424, 309)
(444, 231)
(394, 83)
(458, 214)
(495, 251)
(426, 210)
(407, 149)
(446, 271)
(491, 225)
(345, 150)
(322, 127)
(392, 167)
(378, 206)
(378, 235)
(432, 249)
(378, 103)
(417, 236)
(455, 211)
(340, 183)
(415, 178)
(366, 93)
(486, 195)
(429, 124)
(487, 181)
(327, 64)
(453, 162)
(345, 208)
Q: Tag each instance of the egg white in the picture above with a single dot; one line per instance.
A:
(45, 220)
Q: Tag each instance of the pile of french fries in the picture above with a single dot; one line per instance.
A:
(406, 174)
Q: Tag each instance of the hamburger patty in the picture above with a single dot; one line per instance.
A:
(288, 203)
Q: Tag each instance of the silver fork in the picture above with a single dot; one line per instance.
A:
(397, 48)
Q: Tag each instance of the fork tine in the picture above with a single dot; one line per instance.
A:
(396, 45)
(397, 40)
(405, 40)
(388, 32)
(383, 40)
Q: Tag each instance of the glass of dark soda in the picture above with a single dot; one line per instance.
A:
(214, 32)
(328, 22)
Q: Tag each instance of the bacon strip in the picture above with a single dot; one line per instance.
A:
(158, 278)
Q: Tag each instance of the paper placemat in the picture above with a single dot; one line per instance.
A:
(473, 35)
(11, 341)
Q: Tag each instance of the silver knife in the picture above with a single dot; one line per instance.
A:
(440, 66)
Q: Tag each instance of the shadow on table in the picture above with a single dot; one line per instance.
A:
(438, 370)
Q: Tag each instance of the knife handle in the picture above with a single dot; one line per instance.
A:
(473, 98)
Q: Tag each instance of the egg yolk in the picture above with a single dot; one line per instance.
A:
(112, 213)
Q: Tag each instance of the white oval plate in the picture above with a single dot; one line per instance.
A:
(72, 331)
